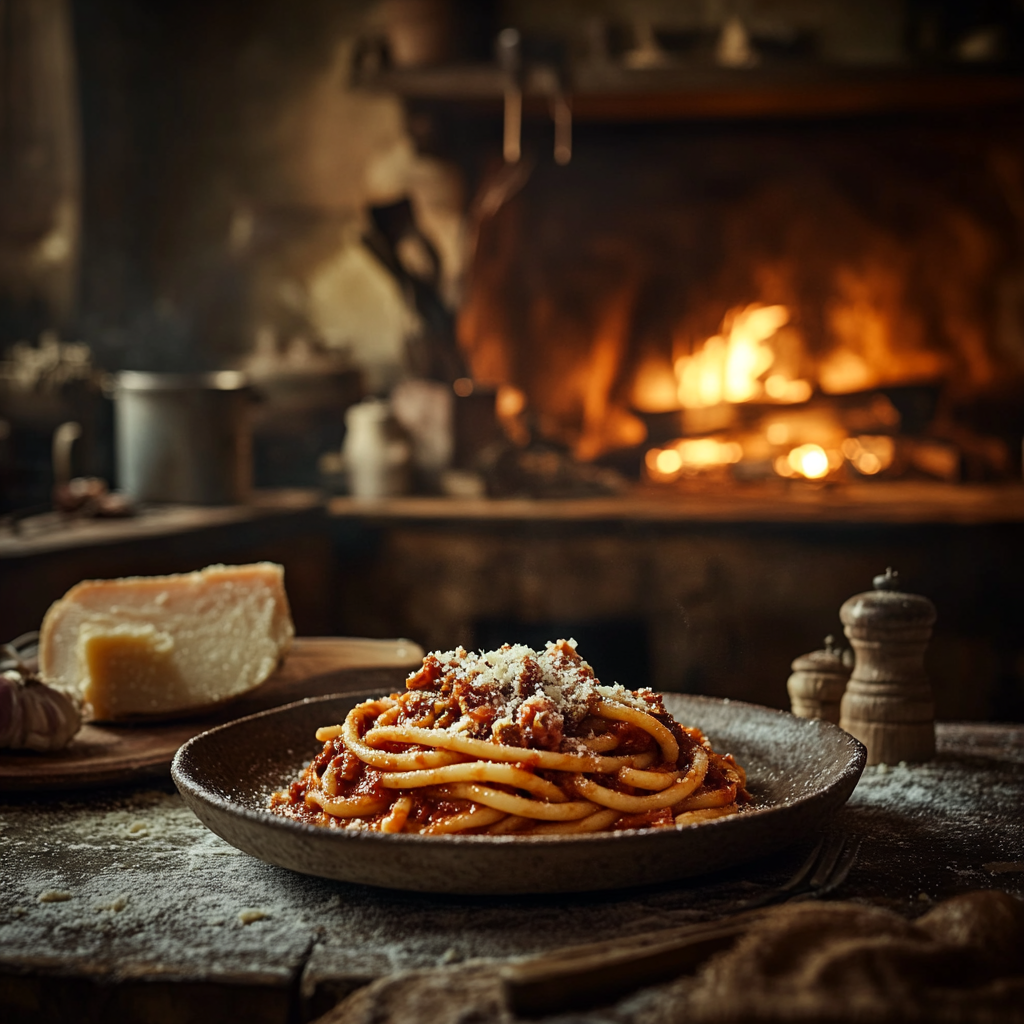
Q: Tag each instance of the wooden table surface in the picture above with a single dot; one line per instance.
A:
(121, 905)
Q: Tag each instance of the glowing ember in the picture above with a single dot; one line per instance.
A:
(870, 454)
(808, 460)
(690, 456)
(510, 401)
(668, 461)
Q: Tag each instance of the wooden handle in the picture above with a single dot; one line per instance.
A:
(318, 665)
(357, 652)
(600, 972)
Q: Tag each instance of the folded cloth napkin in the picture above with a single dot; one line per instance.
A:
(960, 963)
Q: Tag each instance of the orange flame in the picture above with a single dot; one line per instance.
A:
(729, 366)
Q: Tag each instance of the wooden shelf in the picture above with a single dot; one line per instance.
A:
(53, 532)
(49, 553)
(701, 91)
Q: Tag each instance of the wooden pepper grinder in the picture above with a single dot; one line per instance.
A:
(888, 702)
(818, 682)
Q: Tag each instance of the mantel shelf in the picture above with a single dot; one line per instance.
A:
(879, 503)
(614, 93)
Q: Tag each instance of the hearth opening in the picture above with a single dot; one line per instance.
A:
(762, 300)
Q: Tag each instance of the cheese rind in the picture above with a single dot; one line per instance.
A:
(149, 646)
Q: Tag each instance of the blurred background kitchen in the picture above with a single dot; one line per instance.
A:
(666, 325)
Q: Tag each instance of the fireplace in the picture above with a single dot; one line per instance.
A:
(732, 302)
(763, 256)
(787, 310)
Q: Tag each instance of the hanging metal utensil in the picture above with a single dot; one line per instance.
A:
(561, 114)
(508, 50)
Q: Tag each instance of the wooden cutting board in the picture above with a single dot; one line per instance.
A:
(101, 755)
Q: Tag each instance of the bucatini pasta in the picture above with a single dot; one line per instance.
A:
(512, 741)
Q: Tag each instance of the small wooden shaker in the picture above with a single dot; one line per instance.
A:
(817, 683)
(888, 702)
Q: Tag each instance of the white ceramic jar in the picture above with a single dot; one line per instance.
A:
(376, 454)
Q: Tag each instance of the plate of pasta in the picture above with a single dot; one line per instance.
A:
(515, 771)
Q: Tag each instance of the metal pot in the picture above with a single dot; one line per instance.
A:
(184, 437)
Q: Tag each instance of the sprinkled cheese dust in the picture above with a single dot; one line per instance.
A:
(54, 896)
(115, 906)
(514, 675)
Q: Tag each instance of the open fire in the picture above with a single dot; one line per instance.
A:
(763, 305)
(753, 361)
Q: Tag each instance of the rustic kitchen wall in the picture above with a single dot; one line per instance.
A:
(227, 167)
(40, 167)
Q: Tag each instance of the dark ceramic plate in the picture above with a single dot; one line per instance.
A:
(800, 773)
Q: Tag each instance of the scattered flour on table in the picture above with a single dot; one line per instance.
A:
(137, 879)
(171, 896)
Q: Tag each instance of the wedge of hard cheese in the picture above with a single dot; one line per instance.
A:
(160, 645)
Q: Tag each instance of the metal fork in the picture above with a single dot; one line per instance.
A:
(825, 869)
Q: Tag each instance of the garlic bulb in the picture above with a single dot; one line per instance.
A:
(34, 716)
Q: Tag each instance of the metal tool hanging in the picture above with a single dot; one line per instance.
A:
(508, 49)
(561, 114)
(542, 67)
